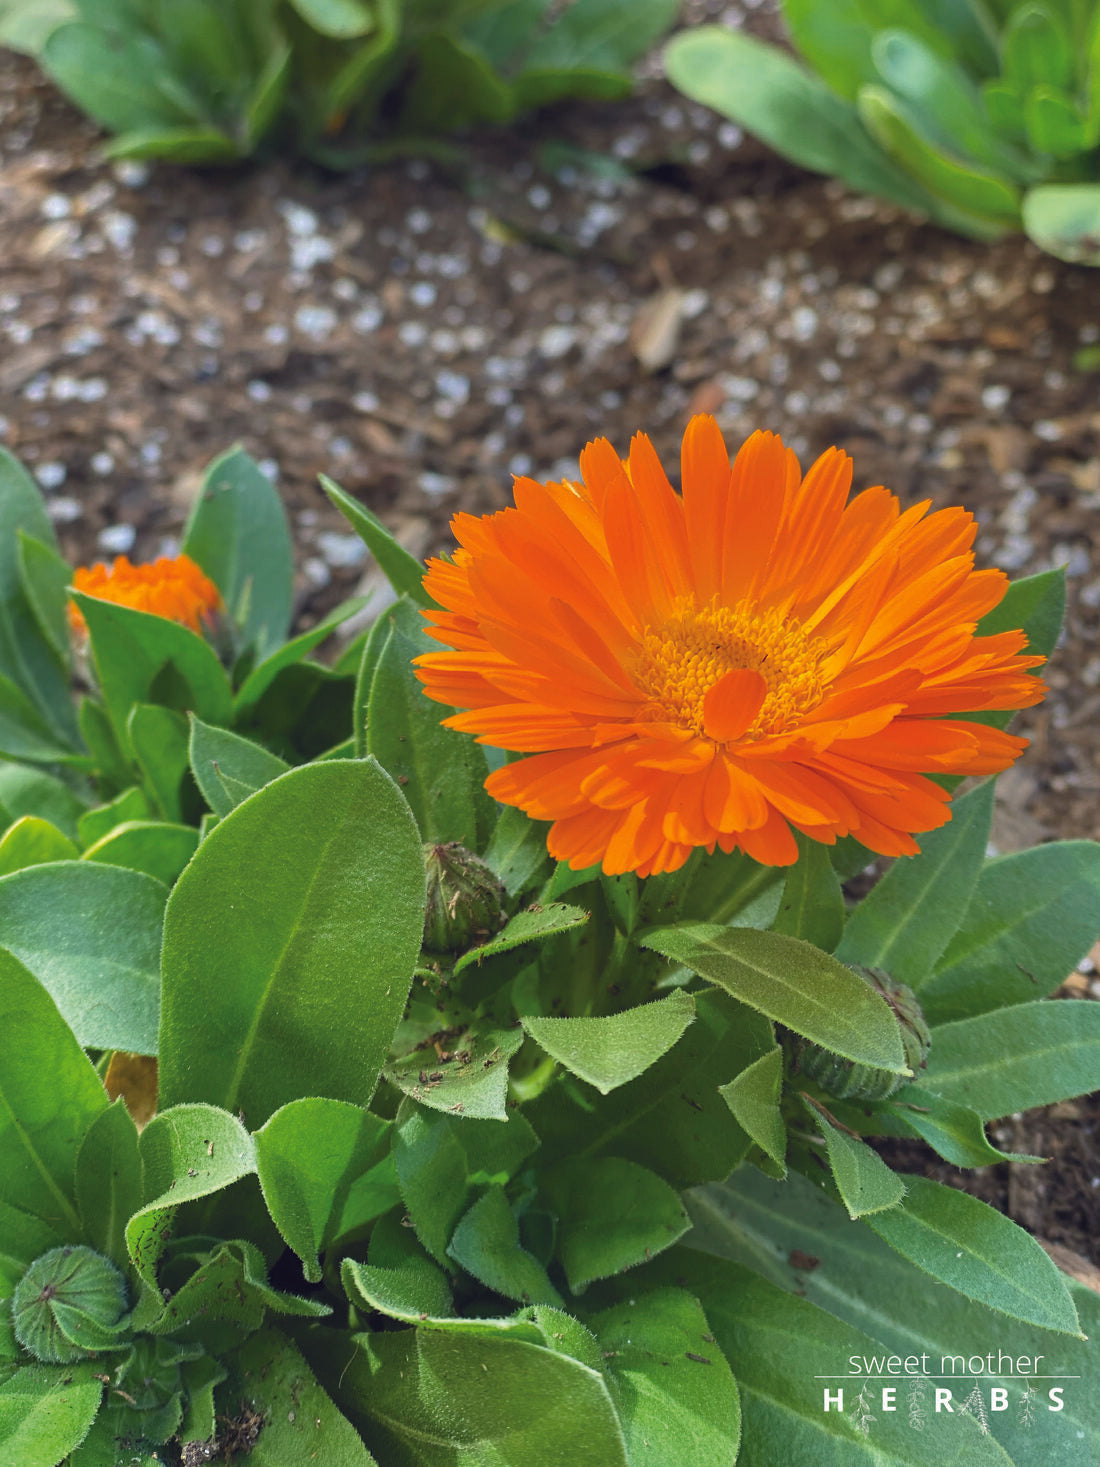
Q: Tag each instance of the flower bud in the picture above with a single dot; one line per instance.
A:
(846, 1079)
(69, 1304)
(464, 900)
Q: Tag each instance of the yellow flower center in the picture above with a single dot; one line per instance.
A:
(680, 661)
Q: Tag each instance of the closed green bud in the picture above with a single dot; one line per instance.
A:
(847, 1080)
(68, 1305)
(465, 900)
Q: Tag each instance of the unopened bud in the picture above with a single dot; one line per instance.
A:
(69, 1304)
(465, 900)
(847, 1080)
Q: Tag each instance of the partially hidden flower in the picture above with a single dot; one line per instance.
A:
(756, 657)
(175, 588)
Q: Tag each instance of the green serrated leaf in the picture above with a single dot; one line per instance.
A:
(812, 905)
(471, 1081)
(1033, 915)
(791, 982)
(187, 1152)
(1015, 1058)
(967, 1244)
(533, 925)
(317, 1163)
(612, 1215)
(906, 921)
(486, 1244)
(609, 1051)
(109, 1181)
(753, 1097)
(865, 1183)
(46, 1411)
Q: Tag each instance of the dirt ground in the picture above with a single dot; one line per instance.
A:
(422, 333)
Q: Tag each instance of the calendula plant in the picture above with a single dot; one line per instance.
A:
(515, 1065)
(201, 81)
(982, 114)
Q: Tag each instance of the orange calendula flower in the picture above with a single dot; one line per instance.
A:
(175, 588)
(755, 657)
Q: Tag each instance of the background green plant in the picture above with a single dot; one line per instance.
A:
(200, 81)
(982, 114)
(562, 1197)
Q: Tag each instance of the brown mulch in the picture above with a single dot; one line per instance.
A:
(420, 335)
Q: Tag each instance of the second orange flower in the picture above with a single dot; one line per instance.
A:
(757, 656)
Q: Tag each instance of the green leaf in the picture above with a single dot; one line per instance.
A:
(289, 655)
(1036, 49)
(517, 850)
(46, 1411)
(612, 1215)
(141, 658)
(400, 1279)
(812, 905)
(1035, 605)
(229, 768)
(24, 732)
(793, 983)
(186, 144)
(472, 1081)
(770, 94)
(112, 76)
(753, 1097)
(464, 1397)
(991, 201)
(954, 1131)
(439, 1157)
(778, 1344)
(1027, 1055)
(300, 1419)
(187, 1152)
(91, 935)
(238, 534)
(49, 1096)
(795, 1234)
(45, 577)
(671, 1119)
(533, 925)
(948, 105)
(111, 765)
(158, 848)
(341, 19)
(94, 824)
(26, 657)
(109, 1188)
(1064, 220)
(294, 932)
(676, 1395)
(442, 773)
(968, 1245)
(599, 35)
(486, 1244)
(403, 571)
(1055, 124)
(1033, 915)
(454, 86)
(31, 841)
(607, 1052)
(317, 1163)
(31, 792)
(906, 921)
(225, 1298)
(865, 1183)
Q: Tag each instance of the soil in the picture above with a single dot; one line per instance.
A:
(422, 333)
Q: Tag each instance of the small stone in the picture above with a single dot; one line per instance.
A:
(117, 539)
